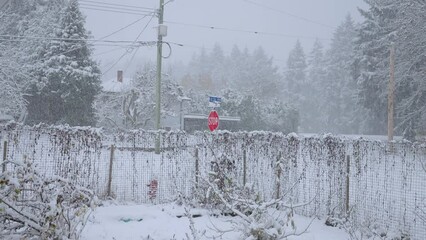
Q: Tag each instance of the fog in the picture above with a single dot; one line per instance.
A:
(279, 23)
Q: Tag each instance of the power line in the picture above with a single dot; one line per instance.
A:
(92, 41)
(116, 8)
(137, 38)
(128, 51)
(245, 31)
(117, 5)
(288, 14)
(121, 29)
(114, 11)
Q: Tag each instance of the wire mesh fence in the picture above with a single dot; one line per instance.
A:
(373, 184)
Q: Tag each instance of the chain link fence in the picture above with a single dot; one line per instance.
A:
(373, 184)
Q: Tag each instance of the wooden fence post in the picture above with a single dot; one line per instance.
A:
(279, 171)
(245, 167)
(111, 160)
(197, 167)
(348, 167)
(4, 156)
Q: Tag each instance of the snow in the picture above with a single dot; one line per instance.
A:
(168, 221)
(115, 86)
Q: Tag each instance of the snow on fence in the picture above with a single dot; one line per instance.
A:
(373, 183)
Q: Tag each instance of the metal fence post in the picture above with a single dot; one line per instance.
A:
(197, 167)
(348, 167)
(111, 160)
(4, 156)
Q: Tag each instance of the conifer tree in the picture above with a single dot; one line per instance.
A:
(72, 78)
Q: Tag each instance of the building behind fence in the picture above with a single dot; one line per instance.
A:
(376, 184)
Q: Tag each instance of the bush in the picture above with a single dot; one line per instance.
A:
(36, 207)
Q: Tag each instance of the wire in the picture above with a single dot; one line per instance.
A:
(128, 50)
(104, 10)
(115, 8)
(121, 29)
(117, 5)
(245, 31)
(170, 50)
(93, 41)
(288, 14)
(109, 51)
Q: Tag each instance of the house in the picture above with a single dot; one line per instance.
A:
(4, 118)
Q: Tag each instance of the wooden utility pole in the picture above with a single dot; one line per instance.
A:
(158, 89)
(391, 93)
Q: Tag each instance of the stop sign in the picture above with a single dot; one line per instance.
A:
(213, 120)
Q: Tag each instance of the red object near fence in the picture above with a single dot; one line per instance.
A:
(153, 187)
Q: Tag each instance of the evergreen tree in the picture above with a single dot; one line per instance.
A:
(32, 20)
(340, 87)
(295, 80)
(315, 90)
(397, 23)
(373, 43)
(72, 78)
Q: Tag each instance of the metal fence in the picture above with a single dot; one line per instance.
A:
(376, 184)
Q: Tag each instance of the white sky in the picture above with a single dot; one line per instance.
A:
(308, 19)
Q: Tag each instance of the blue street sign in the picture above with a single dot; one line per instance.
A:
(215, 99)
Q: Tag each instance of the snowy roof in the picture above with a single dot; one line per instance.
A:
(5, 117)
(113, 85)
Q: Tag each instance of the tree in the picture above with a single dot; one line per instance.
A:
(374, 39)
(295, 80)
(314, 91)
(72, 78)
(26, 23)
(340, 86)
(134, 107)
(395, 23)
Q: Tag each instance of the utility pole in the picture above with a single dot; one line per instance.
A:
(158, 90)
(391, 93)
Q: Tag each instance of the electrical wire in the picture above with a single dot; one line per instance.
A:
(117, 5)
(245, 31)
(123, 28)
(115, 8)
(287, 13)
(114, 11)
(92, 41)
(128, 51)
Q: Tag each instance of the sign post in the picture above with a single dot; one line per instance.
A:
(213, 120)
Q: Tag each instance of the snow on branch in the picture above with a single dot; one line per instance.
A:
(32, 205)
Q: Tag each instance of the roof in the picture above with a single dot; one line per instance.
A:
(113, 85)
(5, 117)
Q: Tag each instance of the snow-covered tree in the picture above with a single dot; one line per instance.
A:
(314, 91)
(340, 87)
(398, 23)
(26, 23)
(296, 80)
(135, 107)
(71, 78)
(33, 206)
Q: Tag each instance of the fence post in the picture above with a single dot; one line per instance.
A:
(197, 167)
(111, 160)
(278, 170)
(4, 156)
(348, 167)
(245, 167)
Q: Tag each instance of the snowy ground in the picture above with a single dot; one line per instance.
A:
(131, 222)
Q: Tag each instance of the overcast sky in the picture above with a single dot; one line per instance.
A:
(279, 23)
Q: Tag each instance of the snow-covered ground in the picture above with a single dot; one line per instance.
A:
(168, 221)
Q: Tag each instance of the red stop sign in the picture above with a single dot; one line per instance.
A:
(213, 120)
